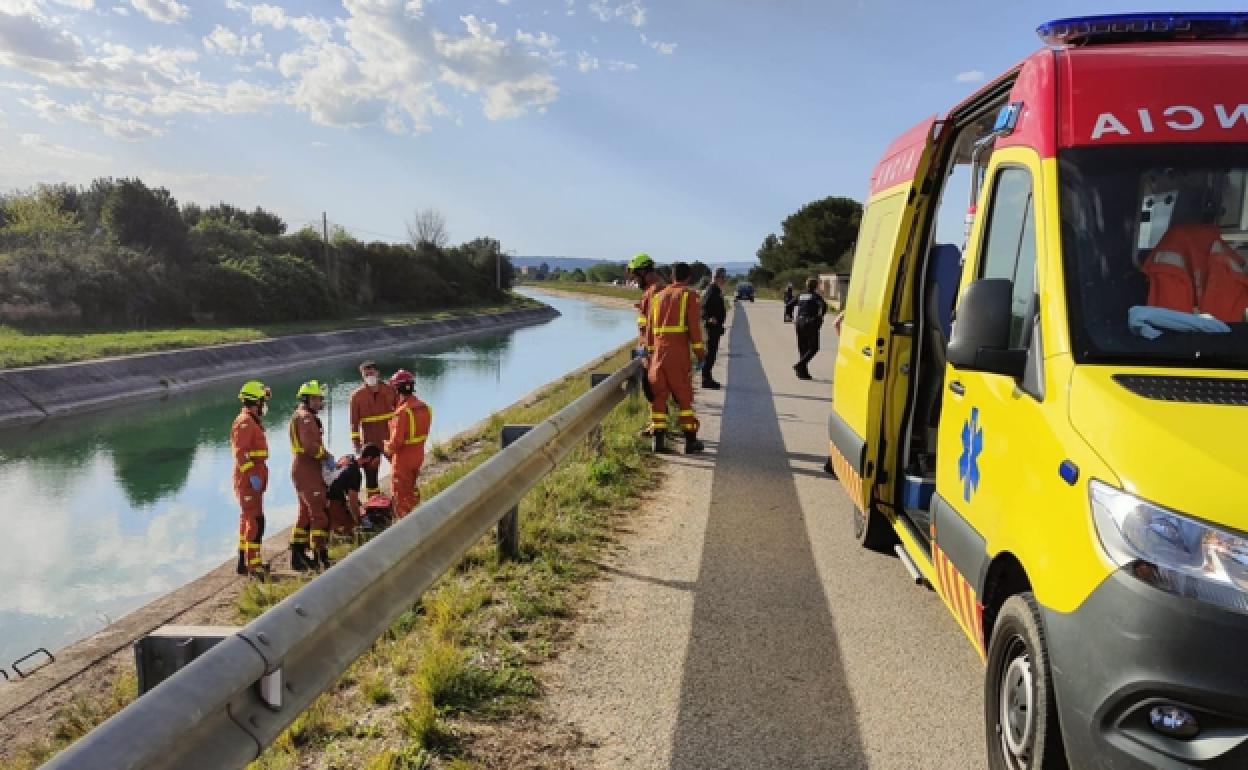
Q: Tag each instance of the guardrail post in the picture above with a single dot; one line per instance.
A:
(594, 439)
(509, 525)
(634, 382)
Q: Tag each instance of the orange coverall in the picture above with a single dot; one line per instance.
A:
(643, 308)
(251, 456)
(675, 328)
(308, 450)
(370, 413)
(406, 449)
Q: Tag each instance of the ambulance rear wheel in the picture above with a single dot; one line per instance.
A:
(1020, 711)
(872, 532)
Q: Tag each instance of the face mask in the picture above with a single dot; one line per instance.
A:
(371, 380)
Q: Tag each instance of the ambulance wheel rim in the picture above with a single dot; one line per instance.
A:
(1018, 705)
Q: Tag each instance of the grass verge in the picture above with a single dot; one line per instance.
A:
(465, 650)
(20, 347)
(600, 289)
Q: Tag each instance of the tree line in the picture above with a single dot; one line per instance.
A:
(610, 272)
(117, 253)
(817, 238)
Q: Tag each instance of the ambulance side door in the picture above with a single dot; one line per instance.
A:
(992, 431)
(866, 342)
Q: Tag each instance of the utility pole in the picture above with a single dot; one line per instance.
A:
(325, 246)
(498, 269)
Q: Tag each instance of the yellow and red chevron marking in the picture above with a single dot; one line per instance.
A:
(960, 597)
(849, 477)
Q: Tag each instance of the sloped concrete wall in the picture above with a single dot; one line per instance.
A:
(35, 393)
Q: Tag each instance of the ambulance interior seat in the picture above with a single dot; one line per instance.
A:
(941, 279)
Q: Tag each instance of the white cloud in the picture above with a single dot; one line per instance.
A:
(586, 64)
(667, 49)
(230, 42)
(311, 27)
(509, 82)
(632, 10)
(81, 5)
(125, 129)
(40, 143)
(121, 10)
(162, 11)
(970, 76)
(318, 145)
(540, 40)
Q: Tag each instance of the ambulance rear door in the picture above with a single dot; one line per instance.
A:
(883, 253)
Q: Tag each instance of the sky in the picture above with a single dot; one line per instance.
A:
(593, 128)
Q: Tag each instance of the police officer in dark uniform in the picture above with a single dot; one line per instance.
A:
(808, 311)
(714, 314)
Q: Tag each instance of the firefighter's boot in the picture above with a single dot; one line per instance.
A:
(660, 437)
(322, 559)
(299, 560)
(692, 445)
(242, 562)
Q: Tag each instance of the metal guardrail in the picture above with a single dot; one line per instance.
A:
(232, 702)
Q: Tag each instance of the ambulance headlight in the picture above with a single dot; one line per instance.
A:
(1171, 552)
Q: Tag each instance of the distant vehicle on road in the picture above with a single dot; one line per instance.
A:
(1062, 464)
(745, 290)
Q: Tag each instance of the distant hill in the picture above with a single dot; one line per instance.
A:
(571, 263)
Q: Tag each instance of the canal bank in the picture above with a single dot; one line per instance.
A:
(88, 670)
(110, 510)
(33, 394)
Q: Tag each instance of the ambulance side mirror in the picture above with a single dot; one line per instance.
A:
(981, 330)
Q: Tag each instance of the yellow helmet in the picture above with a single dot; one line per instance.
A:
(311, 388)
(639, 261)
(254, 390)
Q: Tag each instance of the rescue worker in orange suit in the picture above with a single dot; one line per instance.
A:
(642, 269)
(251, 474)
(372, 406)
(343, 494)
(306, 471)
(409, 429)
(673, 332)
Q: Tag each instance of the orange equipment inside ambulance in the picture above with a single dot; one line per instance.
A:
(1048, 422)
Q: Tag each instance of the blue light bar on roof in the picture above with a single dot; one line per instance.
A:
(1143, 27)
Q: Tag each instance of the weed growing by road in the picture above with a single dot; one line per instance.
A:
(464, 653)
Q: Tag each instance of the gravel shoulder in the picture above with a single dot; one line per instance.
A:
(739, 626)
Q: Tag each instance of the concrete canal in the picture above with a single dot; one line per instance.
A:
(106, 511)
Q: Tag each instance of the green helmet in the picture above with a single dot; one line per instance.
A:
(253, 390)
(641, 260)
(311, 388)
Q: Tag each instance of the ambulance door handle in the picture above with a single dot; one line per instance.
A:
(957, 388)
(867, 351)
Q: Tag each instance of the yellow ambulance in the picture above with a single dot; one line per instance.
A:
(1047, 419)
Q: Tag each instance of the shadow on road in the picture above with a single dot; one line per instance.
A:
(763, 684)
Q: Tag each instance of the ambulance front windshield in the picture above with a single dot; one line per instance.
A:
(1155, 243)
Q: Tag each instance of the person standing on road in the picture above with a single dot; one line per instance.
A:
(809, 309)
(788, 302)
(673, 332)
(309, 458)
(714, 314)
(372, 405)
(343, 495)
(251, 473)
(409, 429)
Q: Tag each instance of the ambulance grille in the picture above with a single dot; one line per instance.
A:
(1189, 390)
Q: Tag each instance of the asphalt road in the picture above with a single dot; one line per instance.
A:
(741, 627)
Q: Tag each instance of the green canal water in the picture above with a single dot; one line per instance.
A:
(107, 511)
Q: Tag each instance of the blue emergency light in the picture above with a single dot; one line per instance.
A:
(1143, 27)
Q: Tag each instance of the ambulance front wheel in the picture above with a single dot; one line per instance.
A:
(871, 530)
(1020, 711)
